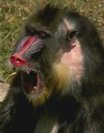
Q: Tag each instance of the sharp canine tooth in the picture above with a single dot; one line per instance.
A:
(35, 70)
(35, 88)
(27, 71)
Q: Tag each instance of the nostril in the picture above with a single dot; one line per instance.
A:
(17, 60)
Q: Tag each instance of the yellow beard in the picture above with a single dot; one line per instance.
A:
(59, 77)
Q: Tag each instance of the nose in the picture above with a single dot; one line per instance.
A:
(17, 60)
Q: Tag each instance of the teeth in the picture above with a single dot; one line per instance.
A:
(28, 71)
(35, 70)
(35, 88)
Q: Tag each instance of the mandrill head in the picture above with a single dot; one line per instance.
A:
(49, 61)
(52, 62)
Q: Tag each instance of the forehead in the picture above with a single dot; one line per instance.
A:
(68, 24)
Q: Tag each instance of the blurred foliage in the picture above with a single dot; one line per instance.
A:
(13, 14)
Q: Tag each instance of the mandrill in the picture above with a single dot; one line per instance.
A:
(59, 87)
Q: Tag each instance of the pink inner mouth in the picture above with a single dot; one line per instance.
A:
(32, 83)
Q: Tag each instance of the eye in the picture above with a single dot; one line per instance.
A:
(44, 34)
(70, 35)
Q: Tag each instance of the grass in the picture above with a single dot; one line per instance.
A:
(12, 17)
(13, 14)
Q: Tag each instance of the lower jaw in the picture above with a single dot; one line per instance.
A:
(39, 98)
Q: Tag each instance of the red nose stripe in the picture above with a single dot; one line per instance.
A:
(27, 42)
(17, 58)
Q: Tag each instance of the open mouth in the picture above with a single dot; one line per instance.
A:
(32, 82)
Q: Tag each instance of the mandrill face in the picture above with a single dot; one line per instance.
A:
(30, 54)
(51, 63)
(26, 57)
